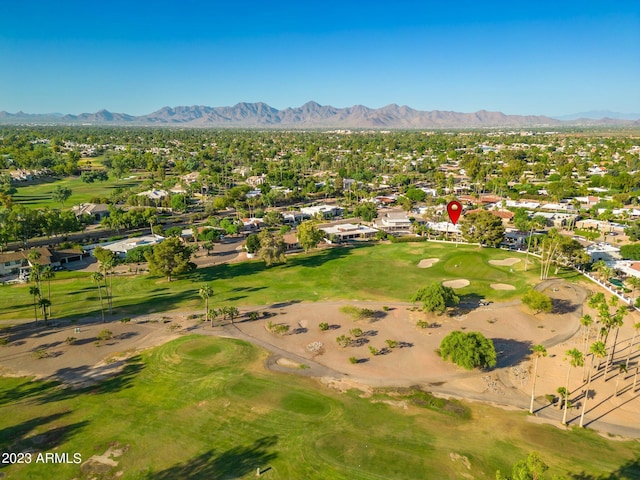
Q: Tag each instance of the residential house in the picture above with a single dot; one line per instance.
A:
(97, 211)
(349, 231)
(393, 222)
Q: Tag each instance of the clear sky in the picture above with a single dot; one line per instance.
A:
(518, 57)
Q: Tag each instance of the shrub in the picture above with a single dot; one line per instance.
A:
(374, 351)
(71, 340)
(4, 340)
(253, 316)
(343, 341)
(469, 350)
(125, 320)
(40, 353)
(356, 332)
(353, 359)
(392, 343)
(324, 326)
(105, 335)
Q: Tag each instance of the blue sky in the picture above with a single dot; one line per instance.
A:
(518, 57)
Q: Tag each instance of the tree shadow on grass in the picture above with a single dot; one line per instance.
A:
(10, 436)
(630, 470)
(92, 381)
(510, 352)
(26, 391)
(233, 463)
(50, 439)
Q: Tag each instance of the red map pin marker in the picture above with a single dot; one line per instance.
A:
(454, 209)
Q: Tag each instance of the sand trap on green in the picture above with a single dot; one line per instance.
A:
(459, 283)
(507, 262)
(502, 286)
(427, 262)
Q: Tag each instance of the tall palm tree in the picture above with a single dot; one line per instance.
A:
(575, 360)
(636, 327)
(586, 321)
(48, 274)
(537, 351)
(205, 292)
(44, 304)
(616, 321)
(97, 278)
(622, 369)
(599, 350)
(35, 291)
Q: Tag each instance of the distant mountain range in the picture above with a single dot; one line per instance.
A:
(312, 115)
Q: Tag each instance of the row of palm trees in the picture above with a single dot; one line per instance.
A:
(39, 273)
(226, 312)
(599, 349)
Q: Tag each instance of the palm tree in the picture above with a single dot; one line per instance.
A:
(35, 291)
(621, 370)
(586, 321)
(97, 278)
(205, 292)
(599, 350)
(537, 351)
(617, 321)
(48, 274)
(634, 282)
(576, 360)
(44, 304)
(636, 327)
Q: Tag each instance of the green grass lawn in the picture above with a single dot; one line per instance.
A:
(205, 408)
(39, 196)
(379, 272)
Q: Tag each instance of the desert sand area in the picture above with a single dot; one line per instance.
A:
(413, 362)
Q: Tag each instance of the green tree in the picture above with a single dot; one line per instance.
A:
(435, 298)
(309, 235)
(273, 219)
(575, 360)
(169, 258)
(253, 243)
(482, 227)
(272, 248)
(367, 211)
(179, 202)
(61, 194)
(205, 293)
(537, 301)
(530, 469)
(537, 351)
(469, 350)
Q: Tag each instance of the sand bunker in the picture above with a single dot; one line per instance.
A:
(460, 283)
(427, 262)
(285, 362)
(502, 286)
(507, 262)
